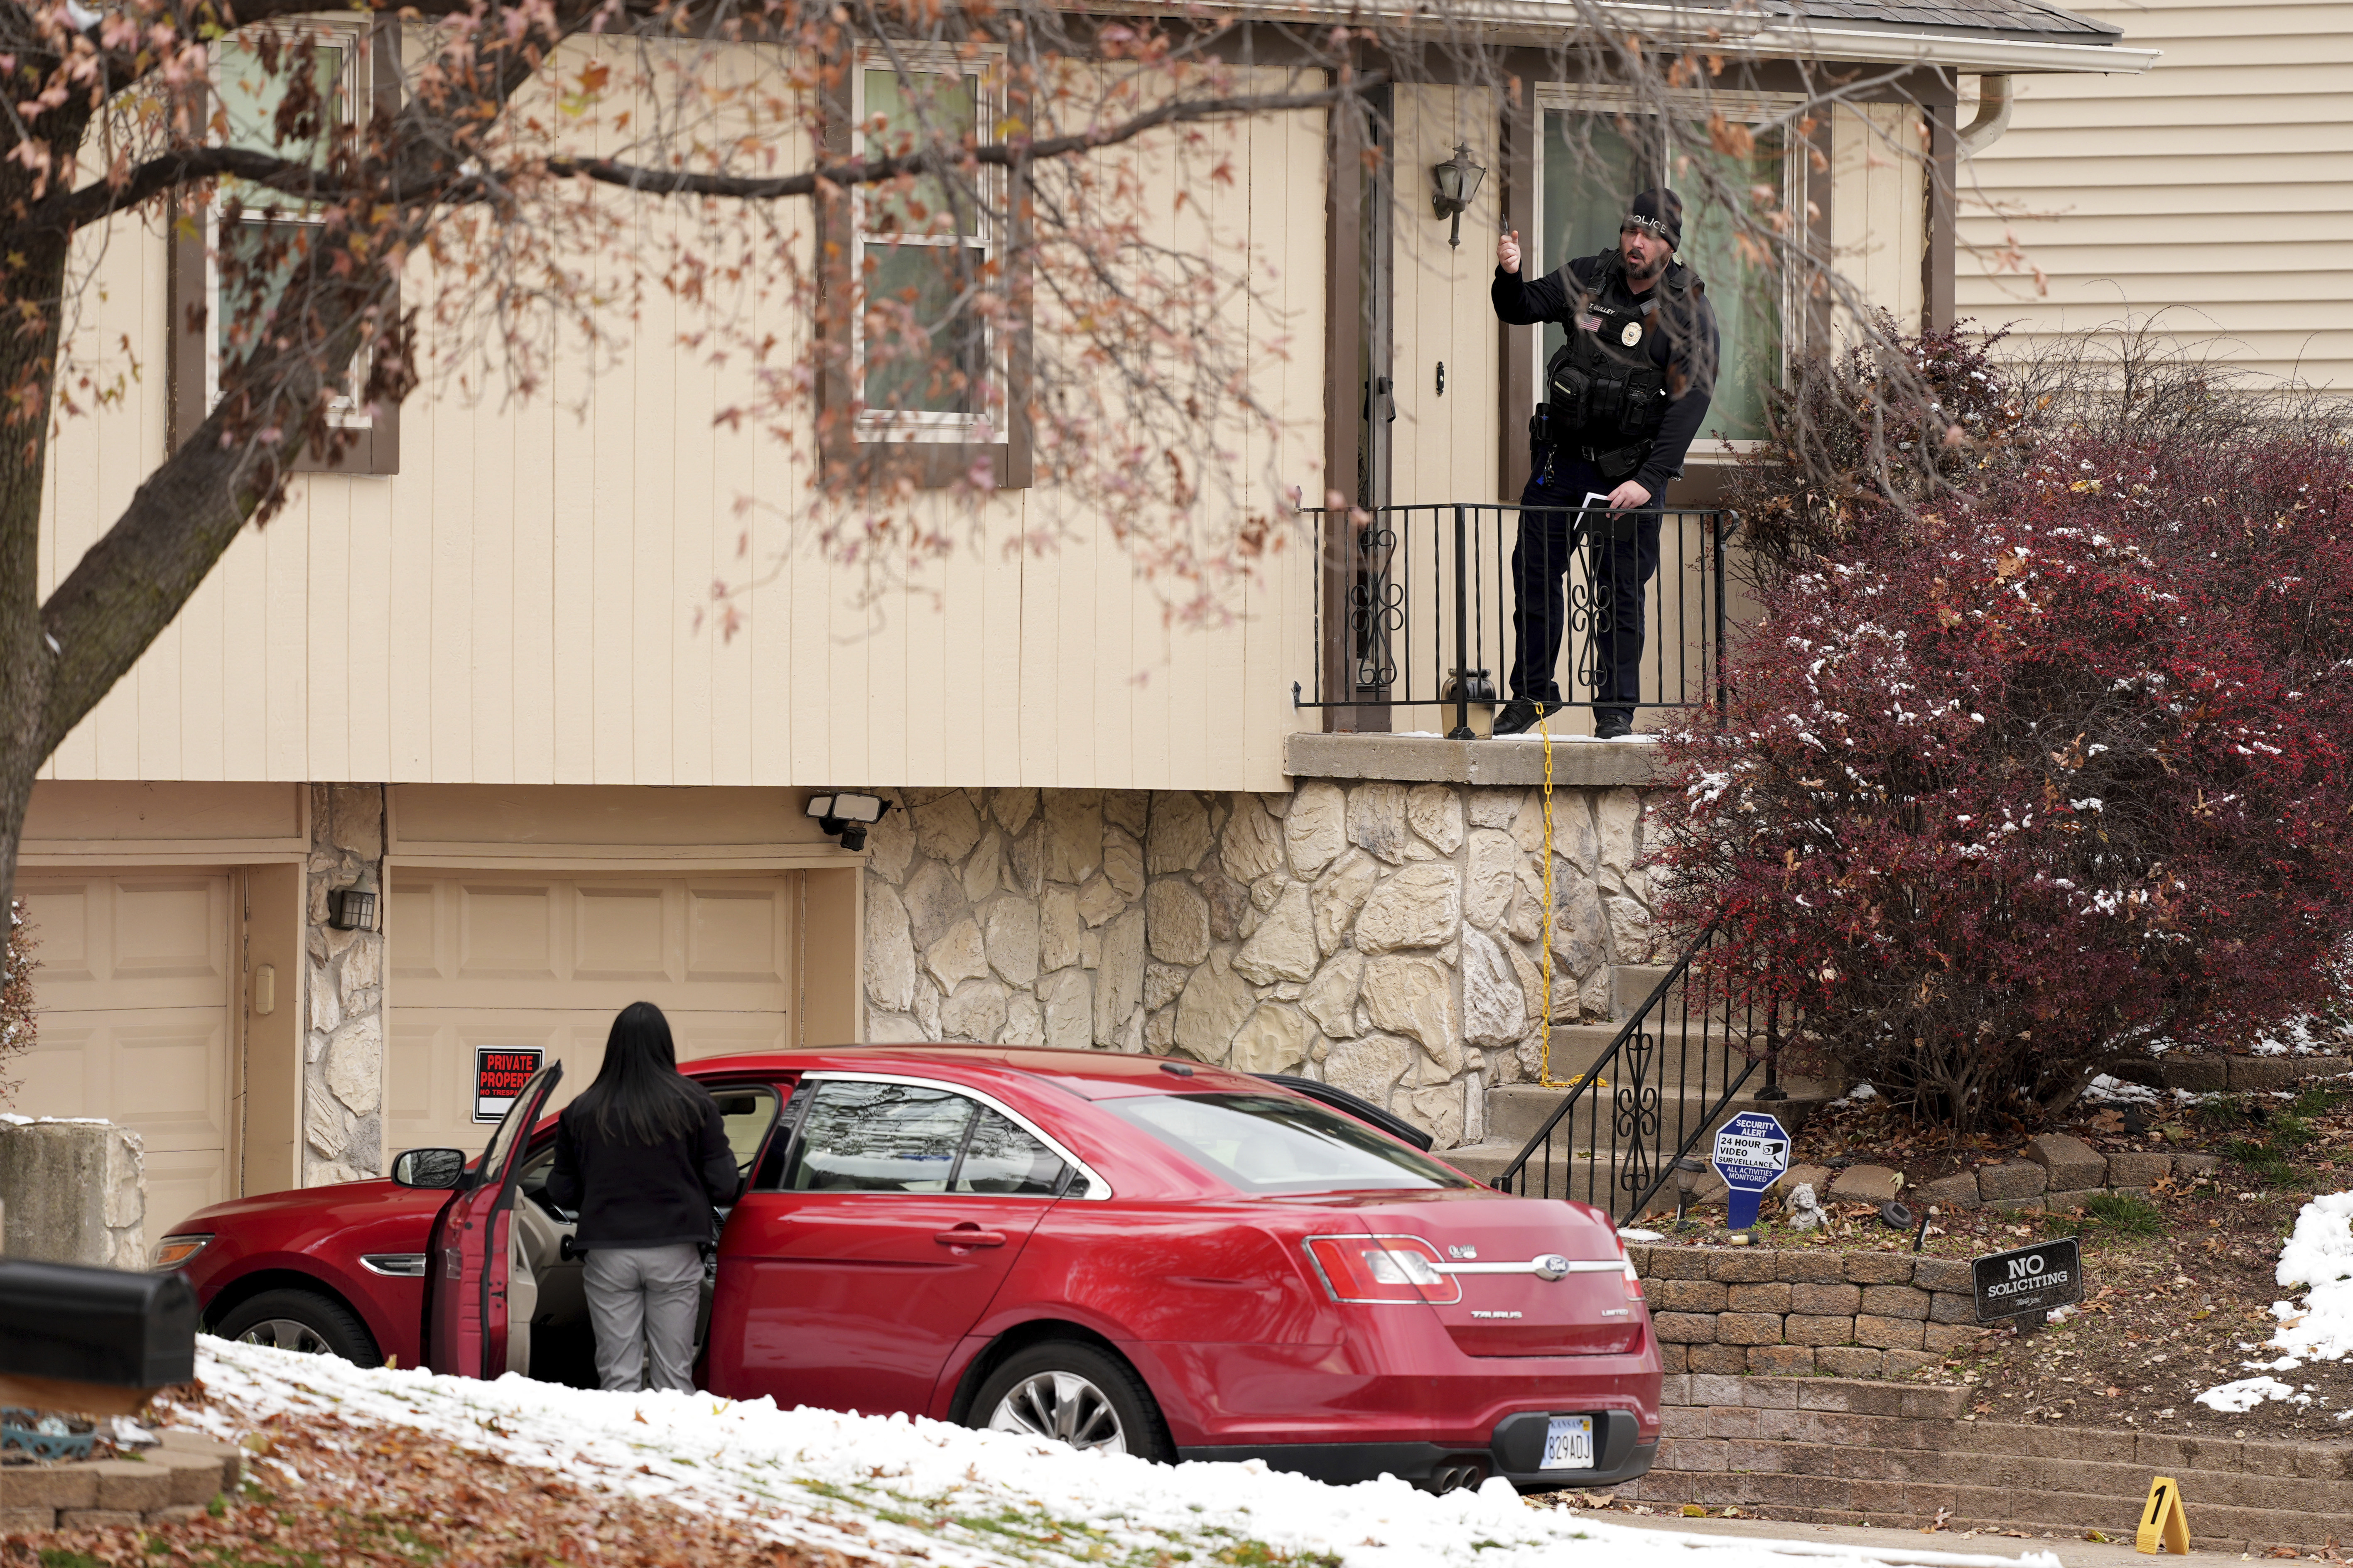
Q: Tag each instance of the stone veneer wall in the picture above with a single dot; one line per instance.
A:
(343, 988)
(1378, 935)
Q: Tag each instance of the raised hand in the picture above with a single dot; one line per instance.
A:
(1507, 251)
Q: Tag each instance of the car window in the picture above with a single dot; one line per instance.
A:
(1000, 1156)
(1280, 1143)
(745, 1111)
(864, 1137)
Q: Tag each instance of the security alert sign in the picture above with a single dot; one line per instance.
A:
(499, 1073)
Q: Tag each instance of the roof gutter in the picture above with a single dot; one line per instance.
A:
(1993, 117)
(1959, 52)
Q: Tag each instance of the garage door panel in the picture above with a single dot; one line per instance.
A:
(179, 1182)
(713, 952)
(171, 1077)
(170, 930)
(61, 1075)
(135, 992)
(507, 933)
(623, 934)
(70, 941)
(736, 934)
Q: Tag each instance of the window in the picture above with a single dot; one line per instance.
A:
(878, 1137)
(937, 379)
(1278, 1143)
(924, 252)
(217, 311)
(1596, 155)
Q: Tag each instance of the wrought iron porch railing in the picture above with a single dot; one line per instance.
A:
(1654, 1092)
(1420, 615)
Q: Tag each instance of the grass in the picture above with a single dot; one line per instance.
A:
(2124, 1214)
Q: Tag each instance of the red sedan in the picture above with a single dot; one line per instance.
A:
(1150, 1256)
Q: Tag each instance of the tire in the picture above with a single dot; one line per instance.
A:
(1071, 1392)
(300, 1320)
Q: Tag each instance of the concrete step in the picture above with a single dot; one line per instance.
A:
(1516, 1111)
(1576, 1046)
(1584, 1178)
(1631, 986)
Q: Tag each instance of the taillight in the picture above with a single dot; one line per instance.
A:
(1382, 1269)
(1634, 1280)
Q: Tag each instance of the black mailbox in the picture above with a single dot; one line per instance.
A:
(63, 1322)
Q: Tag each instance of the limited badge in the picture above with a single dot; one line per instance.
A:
(1633, 334)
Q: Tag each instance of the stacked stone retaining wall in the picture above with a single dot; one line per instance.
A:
(1836, 1451)
(175, 1481)
(1785, 1311)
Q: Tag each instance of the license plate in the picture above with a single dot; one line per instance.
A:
(1568, 1443)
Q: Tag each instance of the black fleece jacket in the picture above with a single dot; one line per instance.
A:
(1682, 340)
(639, 1194)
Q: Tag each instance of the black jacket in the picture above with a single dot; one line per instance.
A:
(639, 1194)
(1682, 340)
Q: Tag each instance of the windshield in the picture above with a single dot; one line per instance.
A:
(1280, 1143)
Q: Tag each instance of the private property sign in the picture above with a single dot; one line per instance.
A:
(499, 1073)
(2029, 1281)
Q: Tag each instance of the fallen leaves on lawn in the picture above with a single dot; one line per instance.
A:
(322, 1493)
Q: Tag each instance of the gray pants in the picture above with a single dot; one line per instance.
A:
(644, 1299)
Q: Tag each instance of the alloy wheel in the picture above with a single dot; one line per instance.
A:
(285, 1334)
(1063, 1406)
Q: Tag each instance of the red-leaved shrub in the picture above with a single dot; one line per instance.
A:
(2037, 775)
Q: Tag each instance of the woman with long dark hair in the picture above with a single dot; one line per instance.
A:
(643, 1156)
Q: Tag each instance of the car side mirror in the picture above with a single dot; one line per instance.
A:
(436, 1170)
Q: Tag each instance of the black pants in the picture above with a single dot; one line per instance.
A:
(1619, 571)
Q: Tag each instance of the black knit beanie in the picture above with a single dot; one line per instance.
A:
(1661, 212)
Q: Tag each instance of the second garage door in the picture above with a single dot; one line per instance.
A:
(545, 960)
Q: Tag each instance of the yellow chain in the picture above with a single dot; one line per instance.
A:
(1544, 926)
(1543, 931)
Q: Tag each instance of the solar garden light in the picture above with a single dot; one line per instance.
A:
(1687, 1173)
(1457, 180)
(847, 816)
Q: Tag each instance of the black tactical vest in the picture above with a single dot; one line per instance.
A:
(1604, 398)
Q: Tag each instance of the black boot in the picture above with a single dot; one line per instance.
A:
(1520, 714)
(1612, 724)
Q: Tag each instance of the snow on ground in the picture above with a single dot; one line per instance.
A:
(890, 1486)
(2318, 1256)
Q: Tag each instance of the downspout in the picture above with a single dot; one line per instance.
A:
(1993, 116)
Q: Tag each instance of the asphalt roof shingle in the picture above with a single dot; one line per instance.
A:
(2011, 16)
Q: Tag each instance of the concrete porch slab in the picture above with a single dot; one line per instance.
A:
(1577, 761)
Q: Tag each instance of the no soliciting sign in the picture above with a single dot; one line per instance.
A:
(2030, 1279)
(499, 1073)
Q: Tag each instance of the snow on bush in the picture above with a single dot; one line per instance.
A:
(892, 1489)
(2017, 778)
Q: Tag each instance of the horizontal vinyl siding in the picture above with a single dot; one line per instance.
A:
(519, 604)
(2215, 193)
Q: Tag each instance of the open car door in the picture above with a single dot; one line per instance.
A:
(468, 1257)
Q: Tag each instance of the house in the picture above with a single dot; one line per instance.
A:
(2207, 197)
(439, 766)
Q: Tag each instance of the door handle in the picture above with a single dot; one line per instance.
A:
(970, 1236)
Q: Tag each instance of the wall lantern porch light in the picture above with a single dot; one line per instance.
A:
(354, 907)
(1457, 181)
(847, 816)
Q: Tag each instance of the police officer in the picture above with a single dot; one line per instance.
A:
(1623, 397)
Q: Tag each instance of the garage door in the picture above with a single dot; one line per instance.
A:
(515, 959)
(134, 989)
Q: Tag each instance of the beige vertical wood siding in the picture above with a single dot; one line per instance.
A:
(1446, 447)
(1878, 222)
(2215, 192)
(519, 604)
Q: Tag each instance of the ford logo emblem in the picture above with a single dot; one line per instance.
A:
(1551, 1266)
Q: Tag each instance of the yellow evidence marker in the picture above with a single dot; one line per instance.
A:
(2164, 1526)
